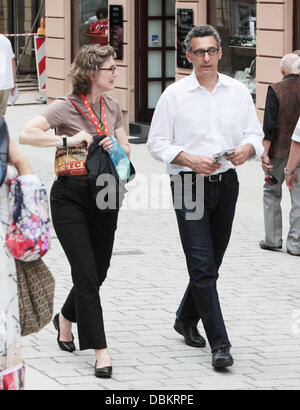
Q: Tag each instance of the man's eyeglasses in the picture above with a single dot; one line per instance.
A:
(212, 51)
(113, 69)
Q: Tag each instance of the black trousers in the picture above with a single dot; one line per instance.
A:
(87, 237)
(205, 242)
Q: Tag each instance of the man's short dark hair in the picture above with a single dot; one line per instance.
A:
(202, 31)
(102, 13)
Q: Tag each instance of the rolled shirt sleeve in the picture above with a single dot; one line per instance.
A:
(253, 132)
(161, 136)
(296, 135)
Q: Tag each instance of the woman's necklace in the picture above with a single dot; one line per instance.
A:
(97, 116)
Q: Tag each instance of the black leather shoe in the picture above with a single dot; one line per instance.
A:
(265, 247)
(191, 334)
(293, 253)
(222, 358)
(65, 346)
(104, 372)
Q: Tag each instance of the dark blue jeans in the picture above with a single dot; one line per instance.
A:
(205, 242)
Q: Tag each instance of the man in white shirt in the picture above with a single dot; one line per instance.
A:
(7, 72)
(291, 175)
(195, 118)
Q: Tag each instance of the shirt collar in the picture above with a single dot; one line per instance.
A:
(193, 83)
(291, 76)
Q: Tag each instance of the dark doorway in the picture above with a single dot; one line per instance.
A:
(155, 53)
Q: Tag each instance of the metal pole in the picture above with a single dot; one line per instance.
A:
(29, 38)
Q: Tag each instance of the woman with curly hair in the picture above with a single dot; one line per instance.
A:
(85, 233)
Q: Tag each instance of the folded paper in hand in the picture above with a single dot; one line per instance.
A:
(14, 96)
(220, 156)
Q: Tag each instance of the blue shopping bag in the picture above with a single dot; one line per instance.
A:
(120, 160)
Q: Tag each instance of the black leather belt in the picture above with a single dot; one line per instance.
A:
(219, 177)
(212, 178)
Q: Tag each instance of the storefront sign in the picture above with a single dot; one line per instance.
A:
(185, 22)
(116, 30)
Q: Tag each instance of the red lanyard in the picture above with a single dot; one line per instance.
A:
(99, 128)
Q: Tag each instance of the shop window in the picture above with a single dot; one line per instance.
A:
(296, 25)
(236, 23)
(90, 23)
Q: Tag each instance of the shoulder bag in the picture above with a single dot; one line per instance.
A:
(36, 288)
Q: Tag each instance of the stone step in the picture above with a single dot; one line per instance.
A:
(139, 132)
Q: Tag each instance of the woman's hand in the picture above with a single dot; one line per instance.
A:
(80, 139)
(107, 143)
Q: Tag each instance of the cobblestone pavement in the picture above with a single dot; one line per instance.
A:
(259, 291)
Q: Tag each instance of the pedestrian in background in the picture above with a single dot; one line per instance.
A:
(12, 369)
(85, 232)
(291, 174)
(7, 73)
(98, 31)
(195, 118)
(281, 115)
(291, 170)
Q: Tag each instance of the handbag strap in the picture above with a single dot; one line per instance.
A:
(92, 119)
(80, 110)
(100, 128)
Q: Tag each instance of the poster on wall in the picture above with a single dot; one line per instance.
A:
(117, 30)
(185, 22)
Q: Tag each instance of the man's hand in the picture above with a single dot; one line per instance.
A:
(241, 154)
(13, 89)
(291, 180)
(204, 165)
(266, 165)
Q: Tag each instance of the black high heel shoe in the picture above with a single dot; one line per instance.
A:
(65, 346)
(104, 372)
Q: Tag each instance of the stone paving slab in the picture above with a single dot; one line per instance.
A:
(259, 292)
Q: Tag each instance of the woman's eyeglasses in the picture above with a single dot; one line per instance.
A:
(212, 51)
(113, 69)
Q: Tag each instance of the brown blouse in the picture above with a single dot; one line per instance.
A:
(62, 116)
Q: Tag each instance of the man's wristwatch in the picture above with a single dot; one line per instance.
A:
(264, 156)
(286, 172)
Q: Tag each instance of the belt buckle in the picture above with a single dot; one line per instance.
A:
(212, 178)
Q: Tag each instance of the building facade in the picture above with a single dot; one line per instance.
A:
(148, 37)
(18, 17)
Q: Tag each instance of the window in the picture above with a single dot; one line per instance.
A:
(236, 22)
(90, 23)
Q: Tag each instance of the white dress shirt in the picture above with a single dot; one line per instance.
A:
(296, 136)
(189, 118)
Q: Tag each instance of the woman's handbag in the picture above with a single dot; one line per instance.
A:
(36, 296)
(70, 161)
(99, 163)
(4, 144)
